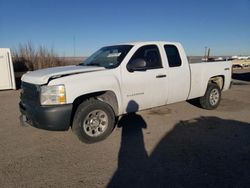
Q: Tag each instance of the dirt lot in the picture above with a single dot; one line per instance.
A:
(179, 145)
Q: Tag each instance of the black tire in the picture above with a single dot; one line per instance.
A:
(87, 123)
(207, 101)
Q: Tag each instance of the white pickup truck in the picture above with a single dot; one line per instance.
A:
(117, 80)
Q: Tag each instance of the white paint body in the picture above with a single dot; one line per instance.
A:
(7, 78)
(181, 83)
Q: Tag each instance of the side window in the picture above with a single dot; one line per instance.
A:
(174, 59)
(150, 54)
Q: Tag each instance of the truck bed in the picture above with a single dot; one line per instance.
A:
(201, 72)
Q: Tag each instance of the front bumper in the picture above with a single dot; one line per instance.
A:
(55, 118)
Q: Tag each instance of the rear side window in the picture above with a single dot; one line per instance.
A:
(150, 54)
(174, 59)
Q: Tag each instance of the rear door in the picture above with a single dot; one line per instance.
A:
(178, 73)
(145, 89)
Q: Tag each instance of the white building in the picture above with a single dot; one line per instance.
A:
(7, 78)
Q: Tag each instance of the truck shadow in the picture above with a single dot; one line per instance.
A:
(195, 102)
(202, 152)
(242, 76)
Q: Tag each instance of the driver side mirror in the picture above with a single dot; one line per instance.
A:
(137, 65)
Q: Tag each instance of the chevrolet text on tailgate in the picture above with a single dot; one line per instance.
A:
(117, 80)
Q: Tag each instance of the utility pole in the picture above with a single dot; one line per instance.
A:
(205, 56)
(74, 45)
(208, 53)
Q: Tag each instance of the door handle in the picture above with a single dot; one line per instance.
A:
(161, 76)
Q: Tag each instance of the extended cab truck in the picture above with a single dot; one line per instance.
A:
(116, 80)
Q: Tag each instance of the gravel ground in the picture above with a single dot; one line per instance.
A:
(179, 145)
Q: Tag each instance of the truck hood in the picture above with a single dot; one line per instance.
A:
(42, 76)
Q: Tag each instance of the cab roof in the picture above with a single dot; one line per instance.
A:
(148, 42)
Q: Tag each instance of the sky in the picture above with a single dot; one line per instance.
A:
(80, 27)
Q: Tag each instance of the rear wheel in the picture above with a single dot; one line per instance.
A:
(212, 97)
(94, 120)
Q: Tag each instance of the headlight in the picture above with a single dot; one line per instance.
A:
(51, 95)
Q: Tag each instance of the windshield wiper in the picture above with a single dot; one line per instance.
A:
(92, 64)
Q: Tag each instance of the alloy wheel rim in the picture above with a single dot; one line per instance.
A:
(95, 123)
(214, 97)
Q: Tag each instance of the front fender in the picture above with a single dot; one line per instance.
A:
(82, 84)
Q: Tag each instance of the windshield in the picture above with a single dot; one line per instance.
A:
(108, 57)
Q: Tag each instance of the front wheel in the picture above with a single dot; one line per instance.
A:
(212, 97)
(93, 121)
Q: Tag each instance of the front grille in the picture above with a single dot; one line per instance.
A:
(30, 93)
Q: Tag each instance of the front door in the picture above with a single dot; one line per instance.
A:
(144, 89)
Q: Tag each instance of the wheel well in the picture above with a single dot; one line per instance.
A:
(108, 97)
(237, 66)
(219, 80)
